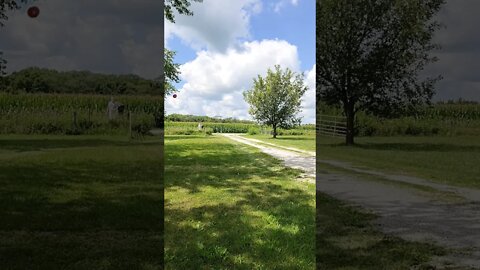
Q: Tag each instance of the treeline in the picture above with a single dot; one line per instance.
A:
(195, 118)
(41, 80)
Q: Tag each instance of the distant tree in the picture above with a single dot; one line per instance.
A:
(276, 99)
(370, 53)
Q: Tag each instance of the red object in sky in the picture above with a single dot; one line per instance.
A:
(33, 12)
(174, 95)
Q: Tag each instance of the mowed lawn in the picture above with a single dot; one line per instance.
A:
(229, 206)
(450, 160)
(303, 142)
(80, 202)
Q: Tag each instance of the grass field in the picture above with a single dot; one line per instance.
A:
(451, 160)
(229, 206)
(80, 203)
(304, 142)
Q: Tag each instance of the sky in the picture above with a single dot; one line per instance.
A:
(459, 57)
(108, 36)
(228, 43)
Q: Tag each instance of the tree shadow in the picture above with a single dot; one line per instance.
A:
(258, 222)
(81, 214)
(296, 138)
(419, 147)
(24, 145)
(347, 240)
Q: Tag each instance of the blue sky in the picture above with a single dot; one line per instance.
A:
(227, 43)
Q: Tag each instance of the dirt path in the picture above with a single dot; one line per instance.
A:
(405, 213)
(402, 211)
(292, 159)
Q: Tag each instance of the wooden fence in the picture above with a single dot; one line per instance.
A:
(331, 125)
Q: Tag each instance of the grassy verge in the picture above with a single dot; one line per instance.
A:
(347, 240)
(229, 206)
(450, 160)
(80, 203)
(303, 142)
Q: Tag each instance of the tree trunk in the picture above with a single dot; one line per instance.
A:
(274, 131)
(350, 113)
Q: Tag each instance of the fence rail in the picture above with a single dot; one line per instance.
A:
(331, 125)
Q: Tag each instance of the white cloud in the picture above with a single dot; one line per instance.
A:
(278, 6)
(216, 24)
(309, 99)
(214, 81)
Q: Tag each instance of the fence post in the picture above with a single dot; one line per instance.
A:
(334, 126)
(75, 121)
(129, 125)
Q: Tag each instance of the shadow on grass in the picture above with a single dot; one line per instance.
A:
(418, 147)
(295, 138)
(405, 147)
(23, 145)
(243, 212)
(86, 212)
(347, 240)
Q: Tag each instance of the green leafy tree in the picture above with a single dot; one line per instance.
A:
(181, 6)
(276, 99)
(370, 54)
(171, 72)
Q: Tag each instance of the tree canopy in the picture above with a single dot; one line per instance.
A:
(276, 99)
(181, 6)
(171, 72)
(370, 54)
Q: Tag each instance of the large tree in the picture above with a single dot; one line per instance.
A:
(370, 54)
(276, 99)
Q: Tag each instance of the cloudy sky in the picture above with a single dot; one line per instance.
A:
(459, 58)
(107, 36)
(227, 43)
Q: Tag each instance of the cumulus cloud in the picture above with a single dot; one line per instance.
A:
(309, 99)
(215, 81)
(281, 4)
(216, 25)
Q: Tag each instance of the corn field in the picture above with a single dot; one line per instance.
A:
(439, 119)
(75, 114)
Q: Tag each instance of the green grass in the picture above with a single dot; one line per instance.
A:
(450, 160)
(229, 206)
(347, 240)
(80, 203)
(303, 142)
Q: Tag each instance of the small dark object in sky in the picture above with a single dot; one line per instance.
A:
(33, 12)
(174, 95)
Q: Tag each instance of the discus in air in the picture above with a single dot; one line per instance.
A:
(174, 95)
(33, 12)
